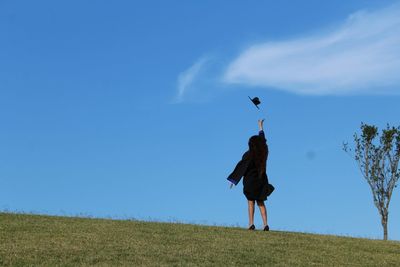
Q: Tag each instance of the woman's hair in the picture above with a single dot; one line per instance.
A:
(258, 152)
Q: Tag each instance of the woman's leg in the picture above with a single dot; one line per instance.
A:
(263, 212)
(251, 212)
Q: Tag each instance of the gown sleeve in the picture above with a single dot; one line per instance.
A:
(240, 169)
(262, 135)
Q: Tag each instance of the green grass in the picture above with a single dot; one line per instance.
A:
(33, 240)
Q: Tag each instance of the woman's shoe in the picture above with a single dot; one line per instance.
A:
(266, 228)
(252, 227)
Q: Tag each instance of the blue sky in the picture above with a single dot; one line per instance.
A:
(139, 109)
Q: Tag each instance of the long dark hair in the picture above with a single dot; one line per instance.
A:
(259, 153)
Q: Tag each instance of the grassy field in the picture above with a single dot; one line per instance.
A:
(33, 240)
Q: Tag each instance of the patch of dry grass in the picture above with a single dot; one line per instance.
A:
(33, 240)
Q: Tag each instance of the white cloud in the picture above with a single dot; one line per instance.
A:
(361, 56)
(187, 78)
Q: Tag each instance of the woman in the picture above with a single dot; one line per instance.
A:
(255, 182)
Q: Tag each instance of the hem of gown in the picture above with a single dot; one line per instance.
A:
(255, 198)
(252, 199)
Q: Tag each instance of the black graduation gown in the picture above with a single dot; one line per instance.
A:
(255, 187)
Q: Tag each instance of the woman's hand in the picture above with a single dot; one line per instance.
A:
(261, 124)
(230, 187)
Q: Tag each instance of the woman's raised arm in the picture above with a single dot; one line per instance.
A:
(261, 125)
(261, 130)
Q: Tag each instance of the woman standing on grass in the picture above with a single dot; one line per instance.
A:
(255, 182)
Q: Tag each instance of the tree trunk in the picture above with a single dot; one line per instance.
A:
(385, 233)
(384, 225)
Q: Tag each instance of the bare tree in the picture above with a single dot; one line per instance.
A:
(378, 160)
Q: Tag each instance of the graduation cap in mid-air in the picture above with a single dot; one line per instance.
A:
(256, 101)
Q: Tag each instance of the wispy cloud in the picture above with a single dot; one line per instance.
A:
(360, 56)
(188, 77)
